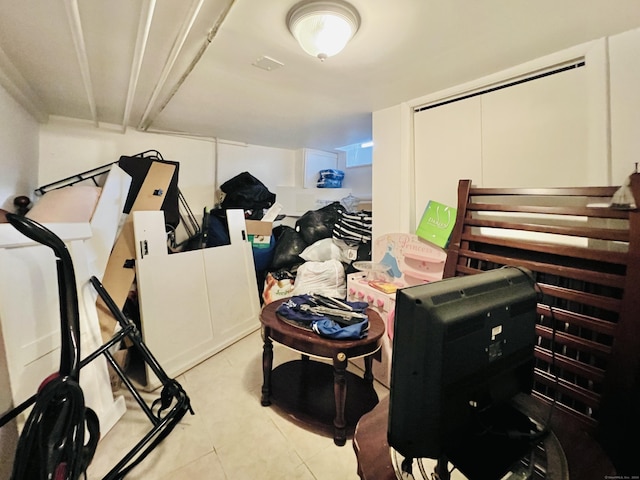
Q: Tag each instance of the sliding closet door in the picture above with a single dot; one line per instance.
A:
(535, 134)
(447, 147)
(532, 133)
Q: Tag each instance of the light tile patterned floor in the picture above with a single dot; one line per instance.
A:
(231, 436)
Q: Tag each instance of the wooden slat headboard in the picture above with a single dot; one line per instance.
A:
(585, 257)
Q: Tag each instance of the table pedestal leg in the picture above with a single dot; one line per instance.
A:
(267, 363)
(441, 469)
(340, 394)
(368, 368)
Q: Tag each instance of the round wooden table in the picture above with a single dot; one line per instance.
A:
(305, 386)
(375, 457)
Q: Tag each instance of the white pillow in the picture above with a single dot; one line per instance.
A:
(66, 205)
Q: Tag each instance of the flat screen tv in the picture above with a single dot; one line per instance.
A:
(462, 349)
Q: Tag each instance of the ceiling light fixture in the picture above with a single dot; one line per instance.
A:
(323, 28)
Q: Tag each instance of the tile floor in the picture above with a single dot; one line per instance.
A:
(231, 436)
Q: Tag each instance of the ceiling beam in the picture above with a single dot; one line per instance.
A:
(73, 17)
(210, 36)
(168, 66)
(144, 26)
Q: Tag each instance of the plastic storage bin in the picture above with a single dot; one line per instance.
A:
(330, 178)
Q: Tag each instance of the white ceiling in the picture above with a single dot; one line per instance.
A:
(404, 49)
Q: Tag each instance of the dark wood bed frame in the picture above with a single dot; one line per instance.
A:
(585, 257)
(586, 261)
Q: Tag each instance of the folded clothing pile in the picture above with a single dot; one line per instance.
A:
(328, 317)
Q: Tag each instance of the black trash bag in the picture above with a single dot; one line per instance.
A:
(315, 225)
(363, 254)
(246, 192)
(289, 246)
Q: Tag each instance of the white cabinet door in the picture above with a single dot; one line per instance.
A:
(150, 236)
(232, 291)
(174, 310)
(193, 304)
(29, 311)
(30, 319)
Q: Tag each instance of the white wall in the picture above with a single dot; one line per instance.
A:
(68, 147)
(613, 123)
(19, 147)
(277, 167)
(357, 179)
(272, 166)
(392, 170)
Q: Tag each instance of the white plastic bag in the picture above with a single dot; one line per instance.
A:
(322, 278)
(321, 251)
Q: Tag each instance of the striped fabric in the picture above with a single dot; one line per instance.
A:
(353, 228)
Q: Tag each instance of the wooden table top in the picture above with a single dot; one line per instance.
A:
(310, 343)
(569, 454)
(370, 444)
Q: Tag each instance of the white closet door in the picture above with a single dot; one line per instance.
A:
(447, 148)
(624, 51)
(535, 134)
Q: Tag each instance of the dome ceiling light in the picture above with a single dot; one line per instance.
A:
(323, 28)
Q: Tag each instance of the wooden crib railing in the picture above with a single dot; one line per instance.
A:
(585, 257)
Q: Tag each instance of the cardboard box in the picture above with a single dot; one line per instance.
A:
(259, 228)
(259, 231)
(117, 279)
(260, 241)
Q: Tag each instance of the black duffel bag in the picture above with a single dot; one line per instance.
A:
(246, 192)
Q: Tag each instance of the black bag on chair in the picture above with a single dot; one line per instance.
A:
(246, 192)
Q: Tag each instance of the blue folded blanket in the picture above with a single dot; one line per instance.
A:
(325, 325)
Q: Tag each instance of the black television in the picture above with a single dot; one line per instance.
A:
(463, 347)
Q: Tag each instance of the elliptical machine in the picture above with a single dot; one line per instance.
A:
(53, 443)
